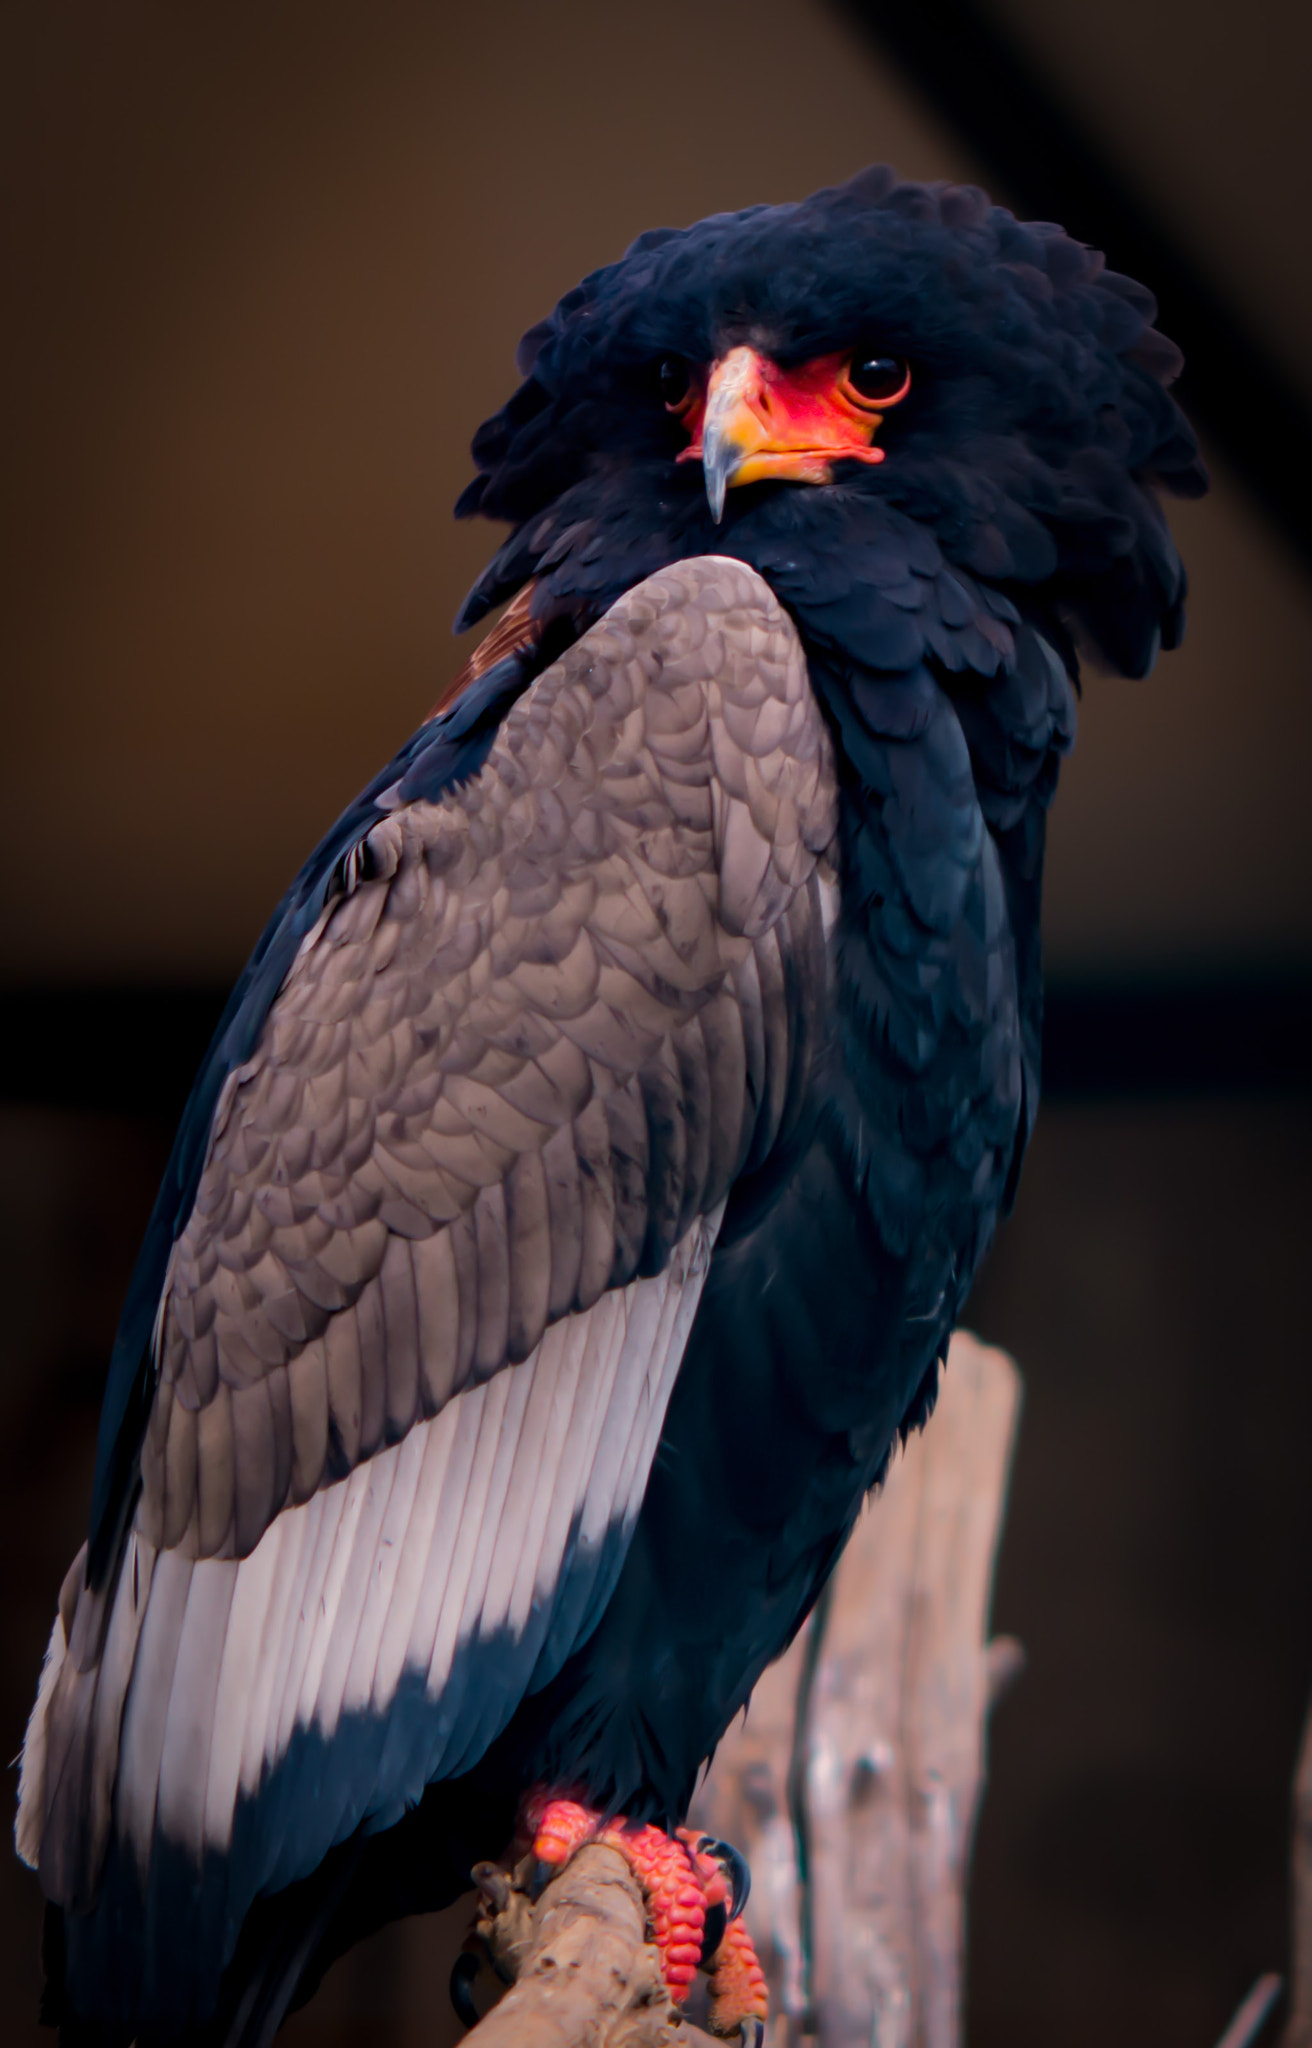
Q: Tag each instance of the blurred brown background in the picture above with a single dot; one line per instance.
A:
(265, 267)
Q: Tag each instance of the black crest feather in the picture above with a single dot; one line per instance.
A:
(1040, 429)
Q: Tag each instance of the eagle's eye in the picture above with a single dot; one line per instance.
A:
(675, 381)
(878, 380)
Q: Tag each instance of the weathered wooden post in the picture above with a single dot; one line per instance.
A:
(1298, 2029)
(853, 1782)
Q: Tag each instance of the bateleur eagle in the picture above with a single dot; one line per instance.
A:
(596, 1152)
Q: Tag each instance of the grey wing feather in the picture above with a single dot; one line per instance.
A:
(547, 939)
(492, 1118)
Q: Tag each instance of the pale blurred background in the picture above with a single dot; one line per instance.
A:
(265, 269)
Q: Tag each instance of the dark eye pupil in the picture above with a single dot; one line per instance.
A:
(674, 379)
(878, 376)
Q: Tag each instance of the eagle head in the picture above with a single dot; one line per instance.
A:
(882, 366)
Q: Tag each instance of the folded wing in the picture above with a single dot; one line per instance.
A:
(418, 1331)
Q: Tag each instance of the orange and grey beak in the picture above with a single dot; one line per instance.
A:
(759, 421)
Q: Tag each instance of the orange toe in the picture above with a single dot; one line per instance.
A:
(559, 1828)
(679, 1882)
(676, 1906)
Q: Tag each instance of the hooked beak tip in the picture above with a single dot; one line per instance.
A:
(718, 464)
(715, 491)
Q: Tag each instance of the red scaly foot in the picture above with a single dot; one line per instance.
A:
(739, 2002)
(681, 1879)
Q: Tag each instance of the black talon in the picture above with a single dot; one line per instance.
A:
(717, 1919)
(463, 1972)
(734, 1865)
(493, 1886)
(752, 2033)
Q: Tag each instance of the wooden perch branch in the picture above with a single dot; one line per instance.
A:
(584, 1974)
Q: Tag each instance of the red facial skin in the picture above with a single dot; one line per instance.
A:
(789, 423)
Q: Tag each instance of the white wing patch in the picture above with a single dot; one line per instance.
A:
(466, 1530)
